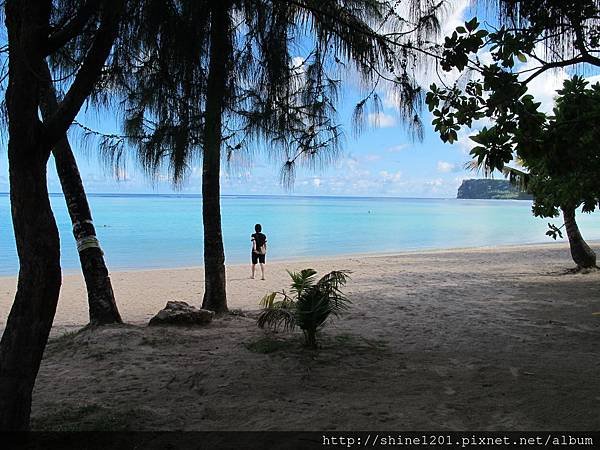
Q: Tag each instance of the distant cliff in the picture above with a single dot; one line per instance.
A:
(491, 189)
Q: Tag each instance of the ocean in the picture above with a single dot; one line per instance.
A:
(164, 231)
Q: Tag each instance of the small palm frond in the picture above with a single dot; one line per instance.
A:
(313, 303)
(320, 305)
(302, 280)
(322, 300)
(312, 311)
(339, 304)
(277, 318)
(517, 177)
(479, 167)
(335, 279)
(268, 301)
(331, 285)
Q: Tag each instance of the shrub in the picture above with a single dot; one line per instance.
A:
(308, 306)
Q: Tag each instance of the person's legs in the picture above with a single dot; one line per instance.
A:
(261, 260)
(254, 261)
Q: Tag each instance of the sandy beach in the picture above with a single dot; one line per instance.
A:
(479, 339)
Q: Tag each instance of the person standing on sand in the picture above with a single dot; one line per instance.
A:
(259, 250)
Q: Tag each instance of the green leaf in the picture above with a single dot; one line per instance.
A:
(314, 303)
(477, 138)
(452, 137)
(472, 24)
(267, 300)
(521, 57)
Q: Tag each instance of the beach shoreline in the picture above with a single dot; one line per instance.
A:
(482, 339)
(142, 293)
(340, 256)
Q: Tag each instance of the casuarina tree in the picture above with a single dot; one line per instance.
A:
(32, 38)
(102, 305)
(101, 299)
(209, 80)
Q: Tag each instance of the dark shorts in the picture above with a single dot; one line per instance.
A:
(256, 258)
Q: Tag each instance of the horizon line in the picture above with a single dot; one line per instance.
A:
(199, 195)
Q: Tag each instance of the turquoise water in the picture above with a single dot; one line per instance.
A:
(159, 231)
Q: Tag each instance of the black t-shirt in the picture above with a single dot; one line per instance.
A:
(260, 239)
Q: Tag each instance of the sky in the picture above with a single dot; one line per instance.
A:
(384, 161)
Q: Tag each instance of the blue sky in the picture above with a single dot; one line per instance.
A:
(382, 161)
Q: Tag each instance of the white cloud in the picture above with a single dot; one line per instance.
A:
(371, 157)
(452, 14)
(298, 64)
(353, 168)
(297, 61)
(390, 99)
(435, 183)
(464, 143)
(392, 177)
(397, 148)
(381, 120)
(544, 86)
(455, 16)
(446, 167)
(594, 79)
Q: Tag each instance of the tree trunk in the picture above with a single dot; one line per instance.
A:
(101, 299)
(581, 253)
(215, 297)
(32, 313)
(30, 319)
(310, 339)
(36, 235)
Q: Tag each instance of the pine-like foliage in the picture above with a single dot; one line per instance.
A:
(566, 29)
(285, 60)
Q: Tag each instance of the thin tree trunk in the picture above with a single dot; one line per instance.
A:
(101, 299)
(215, 297)
(581, 253)
(30, 319)
(311, 338)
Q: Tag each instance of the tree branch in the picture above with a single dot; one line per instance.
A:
(580, 45)
(72, 28)
(57, 125)
(554, 65)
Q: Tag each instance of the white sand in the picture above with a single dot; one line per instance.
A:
(140, 294)
(496, 338)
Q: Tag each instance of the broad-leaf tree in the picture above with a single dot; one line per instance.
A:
(561, 157)
(553, 34)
